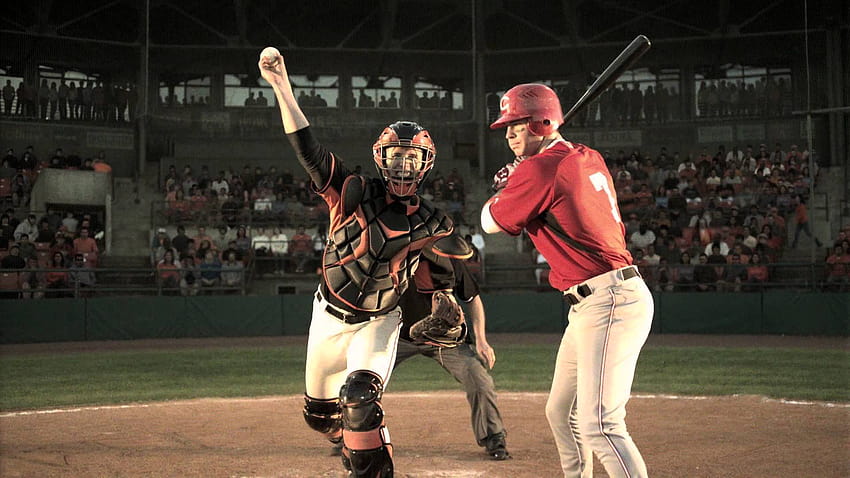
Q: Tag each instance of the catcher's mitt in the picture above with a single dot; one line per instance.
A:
(444, 327)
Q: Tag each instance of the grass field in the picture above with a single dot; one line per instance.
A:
(90, 378)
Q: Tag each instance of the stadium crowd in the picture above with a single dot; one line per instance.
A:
(271, 220)
(90, 100)
(709, 221)
(717, 221)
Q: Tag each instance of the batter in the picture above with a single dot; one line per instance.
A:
(562, 194)
(377, 231)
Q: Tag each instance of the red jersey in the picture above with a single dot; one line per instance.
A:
(572, 183)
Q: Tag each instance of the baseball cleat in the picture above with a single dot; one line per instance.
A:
(497, 449)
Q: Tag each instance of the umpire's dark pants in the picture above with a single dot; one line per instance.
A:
(467, 368)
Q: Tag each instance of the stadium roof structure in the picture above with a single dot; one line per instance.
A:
(402, 25)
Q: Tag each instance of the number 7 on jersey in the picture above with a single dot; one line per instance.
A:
(600, 183)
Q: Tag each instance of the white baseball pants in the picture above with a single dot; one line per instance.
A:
(335, 349)
(593, 377)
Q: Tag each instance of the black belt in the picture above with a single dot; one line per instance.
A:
(583, 290)
(347, 317)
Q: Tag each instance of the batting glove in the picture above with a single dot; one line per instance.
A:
(500, 179)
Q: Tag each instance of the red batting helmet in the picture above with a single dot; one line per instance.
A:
(398, 180)
(533, 102)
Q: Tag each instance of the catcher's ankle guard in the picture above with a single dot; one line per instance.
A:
(371, 463)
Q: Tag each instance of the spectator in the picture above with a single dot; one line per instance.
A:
(81, 276)
(801, 215)
(477, 240)
(57, 279)
(21, 189)
(7, 232)
(10, 161)
(203, 248)
(734, 273)
(301, 249)
(232, 271)
(32, 281)
(70, 223)
(27, 227)
(837, 269)
(454, 207)
(168, 274)
(189, 276)
(62, 245)
(262, 248)
(14, 259)
(45, 234)
(682, 276)
(243, 241)
(642, 237)
(180, 242)
(8, 98)
(704, 274)
(203, 236)
(280, 246)
(222, 238)
(716, 241)
(210, 270)
(85, 244)
(27, 248)
(840, 238)
(165, 247)
(100, 165)
(757, 273)
(541, 273)
(220, 183)
(651, 257)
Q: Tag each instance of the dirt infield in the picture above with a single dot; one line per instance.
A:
(266, 437)
(742, 436)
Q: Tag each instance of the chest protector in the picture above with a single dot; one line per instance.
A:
(372, 254)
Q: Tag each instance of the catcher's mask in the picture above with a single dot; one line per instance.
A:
(404, 154)
(536, 103)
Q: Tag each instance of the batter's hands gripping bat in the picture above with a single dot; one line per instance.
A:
(624, 60)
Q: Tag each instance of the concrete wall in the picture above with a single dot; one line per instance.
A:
(60, 186)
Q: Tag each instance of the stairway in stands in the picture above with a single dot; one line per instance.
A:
(131, 216)
(507, 254)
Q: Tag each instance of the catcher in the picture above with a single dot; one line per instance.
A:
(442, 336)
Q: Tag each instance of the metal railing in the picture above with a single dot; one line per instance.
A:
(91, 282)
(88, 282)
(164, 213)
(815, 277)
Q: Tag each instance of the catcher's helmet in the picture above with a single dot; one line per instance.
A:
(533, 102)
(398, 177)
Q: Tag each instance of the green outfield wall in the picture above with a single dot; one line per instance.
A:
(127, 318)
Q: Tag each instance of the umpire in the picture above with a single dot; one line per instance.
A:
(459, 358)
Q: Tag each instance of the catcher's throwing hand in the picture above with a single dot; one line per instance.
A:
(444, 326)
(273, 70)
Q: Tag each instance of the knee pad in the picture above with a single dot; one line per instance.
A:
(324, 416)
(368, 450)
(360, 400)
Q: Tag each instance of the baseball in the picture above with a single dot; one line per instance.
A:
(269, 52)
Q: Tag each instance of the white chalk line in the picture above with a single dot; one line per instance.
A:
(512, 396)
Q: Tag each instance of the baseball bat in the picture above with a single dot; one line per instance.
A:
(624, 60)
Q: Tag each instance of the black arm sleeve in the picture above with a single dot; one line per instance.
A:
(466, 288)
(316, 160)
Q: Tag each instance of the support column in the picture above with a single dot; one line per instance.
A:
(143, 104)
